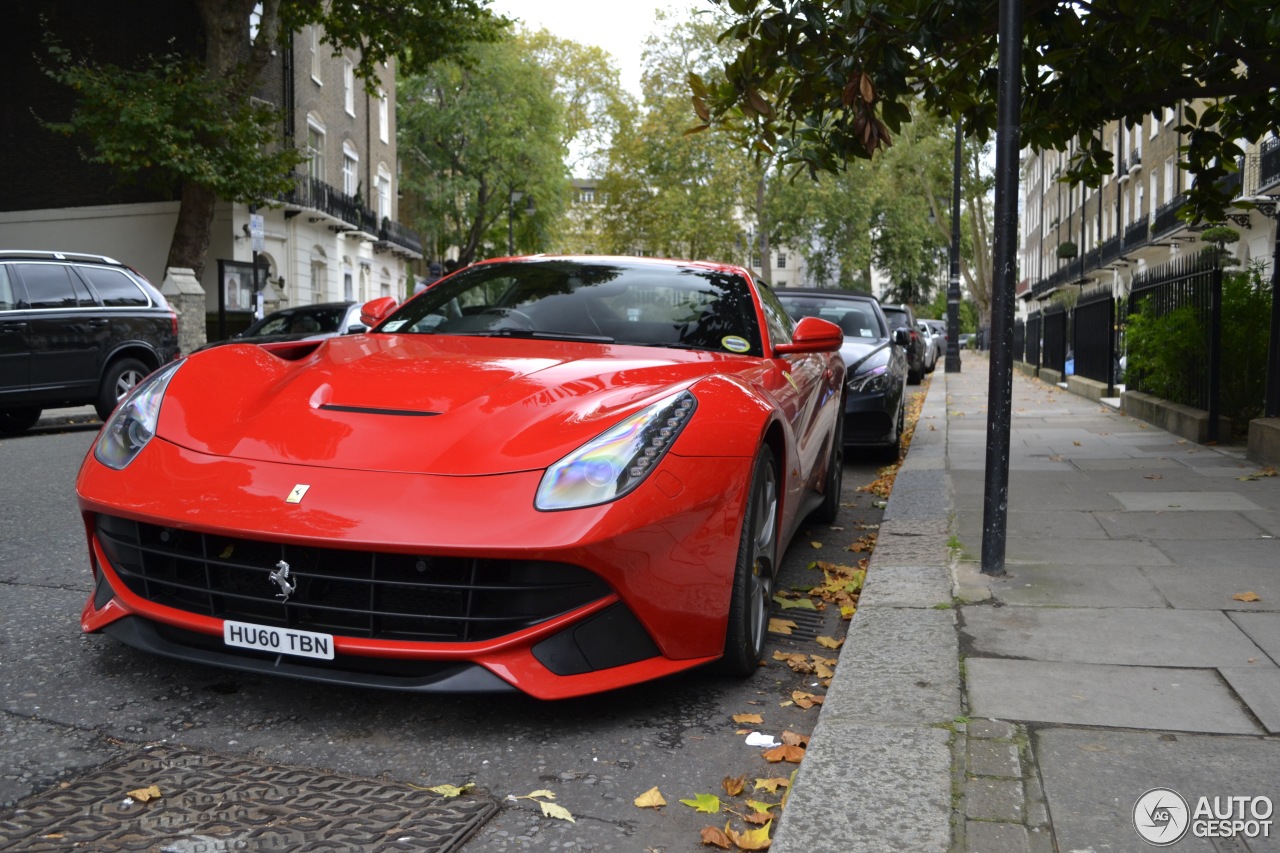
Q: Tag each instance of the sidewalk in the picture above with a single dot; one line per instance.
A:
(1030, 712)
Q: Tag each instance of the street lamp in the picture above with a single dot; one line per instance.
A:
(953, 286)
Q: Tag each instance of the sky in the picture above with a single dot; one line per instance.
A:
(618, 27)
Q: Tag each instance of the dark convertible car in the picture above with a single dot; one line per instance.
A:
(876, 361)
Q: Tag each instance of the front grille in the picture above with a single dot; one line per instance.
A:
(367, 594)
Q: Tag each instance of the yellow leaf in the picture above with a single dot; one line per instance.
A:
(752, 839)
(781, 626)
(550, 795)
(555, 811)
(816, 544)
(650, 799)
(142, 795)
(792, 604)
(716, 837)
(447, 790)
(755, 719)
(772, 784)
(1247, 596)
(830, 642)
(759, 807)
(705, 803)
(733, 785)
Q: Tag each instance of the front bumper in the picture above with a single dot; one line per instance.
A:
(663, 557)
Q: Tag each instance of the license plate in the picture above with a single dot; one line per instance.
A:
(285, 641)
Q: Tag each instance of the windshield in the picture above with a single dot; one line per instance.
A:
(605, 301)
(298, 321)
(857, 318)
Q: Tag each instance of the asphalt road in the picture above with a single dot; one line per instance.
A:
(71, 702)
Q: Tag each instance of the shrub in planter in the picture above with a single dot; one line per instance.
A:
(1067, 249)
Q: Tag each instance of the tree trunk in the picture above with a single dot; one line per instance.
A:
(190, 242)
(762, 223)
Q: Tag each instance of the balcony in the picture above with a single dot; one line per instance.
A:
(1137, 234)
(315, 194)
(399, 240)
(1166, 220)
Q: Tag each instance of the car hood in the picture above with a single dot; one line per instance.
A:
(862, 354)
(417, 403)
(270, 339)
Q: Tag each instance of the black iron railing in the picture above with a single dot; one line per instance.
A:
(1019, 340)
(1185, 285)
(1053, 354)
(1033, 339)
(398, 235)
(1137, 234)
(1094, 339)
(1166, 218)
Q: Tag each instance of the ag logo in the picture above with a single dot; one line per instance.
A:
(1161, 817)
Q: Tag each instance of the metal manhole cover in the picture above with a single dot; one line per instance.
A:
(214, 803)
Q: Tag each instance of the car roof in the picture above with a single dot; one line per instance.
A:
(49, 255)
(826, 291)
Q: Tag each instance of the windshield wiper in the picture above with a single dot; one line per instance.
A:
(537, 334)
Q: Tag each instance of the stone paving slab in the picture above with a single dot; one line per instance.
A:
(1128, 636)
(1257, 553)
(1082, 586)
(1268, 520)
(1263, 629)
(1260, 690)
(1093, 779)
(1177, 525)
(1168, 500)
(1191, 700)
(1137, 463)
(1197, 587)
(1083, 552)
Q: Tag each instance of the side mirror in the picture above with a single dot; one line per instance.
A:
(902, 337)
(375, 311)
(356, 328)
(813, 334)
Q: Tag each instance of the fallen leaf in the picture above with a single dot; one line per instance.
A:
(1153, 476)
(1055, 458)
(795, 739)
(794, 604)
(1268, 471)
(142, 795)
(1247, 596)
(816, 544)
(550, 795)
(1077, 444)
(733, 785)
(805, 700)
(772, 784)
(555, 811)
(786, 752)
(449, 791)
(754, 719)
(830, 642)
(705, 803)
(716, 837)
(752, 839)
(781, 626)
(650, 799)
(759, 807)
(758, 818)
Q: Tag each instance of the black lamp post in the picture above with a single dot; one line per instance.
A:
(953, 286)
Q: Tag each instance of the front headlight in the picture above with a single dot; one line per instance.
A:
(874, 380)
(616, 461)
(133, 423)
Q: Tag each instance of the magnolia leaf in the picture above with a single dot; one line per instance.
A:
(1247, 596)
(781, 626)
(754, 719)
(705, 803)
(772, 785)
(650, 799)
(786, 752)
(142, 795)
(716, 837)
(733, 785)
(752, 839)
(555, 811)
(830, 642)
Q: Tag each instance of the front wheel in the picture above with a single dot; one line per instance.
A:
(118, 381)
(752, 593)
(15, 421)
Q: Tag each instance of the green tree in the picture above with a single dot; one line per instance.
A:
(472, 135)
(833, 80)
(828, 219)
(189, 121)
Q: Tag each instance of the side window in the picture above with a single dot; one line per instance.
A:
(8, 299)
(115, 289)
(48, 285)
(776, 318)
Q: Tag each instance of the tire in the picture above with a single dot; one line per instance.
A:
(118, 381)
(752, 595)
(16, 421)
(915, 376)
(830, 506)
(889, 453)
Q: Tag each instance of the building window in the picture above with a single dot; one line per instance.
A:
(1169, 114)
(349, 86)
(319, 283)
(255, 22)
(315, 53)
(384, 117)
(1170, 179)
(350, 169)
(348, 285)
(315, 149)
(782, 260)
(384, 193)
(586, 196)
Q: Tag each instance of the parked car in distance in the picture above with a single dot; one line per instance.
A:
(302, 322)
(75, 330)
(557, 475)
(965, 339)
(938, 331)
(875, 366)
(931, 348)
(903, 317)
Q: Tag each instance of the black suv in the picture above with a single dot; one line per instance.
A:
(75, 330)
(902, 316)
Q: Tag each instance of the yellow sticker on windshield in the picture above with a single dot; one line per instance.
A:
(733, 343)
